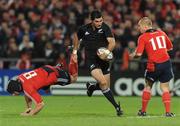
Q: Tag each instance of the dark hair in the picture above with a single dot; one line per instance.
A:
(95, 14)
(14, 85)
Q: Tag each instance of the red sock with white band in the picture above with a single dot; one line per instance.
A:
(166, 98)
(146, 96)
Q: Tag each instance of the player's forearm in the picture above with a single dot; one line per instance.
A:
(111, 44)
(75, 43)
(28, 102)
(37, 108)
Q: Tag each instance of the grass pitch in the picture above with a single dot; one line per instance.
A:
(85, 111)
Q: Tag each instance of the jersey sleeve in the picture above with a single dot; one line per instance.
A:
(108, 32)
(140, 46)
(80, 33)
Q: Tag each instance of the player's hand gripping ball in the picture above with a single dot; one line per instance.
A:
(104, 54)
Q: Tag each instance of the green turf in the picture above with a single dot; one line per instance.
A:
(85, 111)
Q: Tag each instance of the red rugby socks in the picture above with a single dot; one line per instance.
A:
(146, 96)
(166, 98)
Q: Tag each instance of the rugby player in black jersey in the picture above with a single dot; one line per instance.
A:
(93, 36)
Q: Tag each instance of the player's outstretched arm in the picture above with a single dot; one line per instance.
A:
(28, 101)
(75, 47)
(28, 104)
(35, 96)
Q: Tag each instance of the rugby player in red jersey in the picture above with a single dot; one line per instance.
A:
(156, 44)
(41, 78)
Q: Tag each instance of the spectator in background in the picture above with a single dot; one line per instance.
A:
(177, 57)
(57, 24)
(34, 20)
(26, 44)
(12, 49)
(39, 47)
(41, 39)
(11, 52)
(25, 61)
(118, 52)
(58, 39)
(4, 32)
(23, 30)
(48, 50)
(127, 64)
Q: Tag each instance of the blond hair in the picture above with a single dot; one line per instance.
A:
(145, 21)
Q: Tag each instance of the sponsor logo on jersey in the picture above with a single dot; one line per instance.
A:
(92, 66)
(100, 31)
(87, 33)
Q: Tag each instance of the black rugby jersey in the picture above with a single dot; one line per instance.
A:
(93, 39)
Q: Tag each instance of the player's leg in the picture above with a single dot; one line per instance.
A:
(166, 97)
(146, 96)
(150, 78)
(91, 87)
(118, 109)
(107, 76)
(98, 75)
(164, 79)
(96, 64)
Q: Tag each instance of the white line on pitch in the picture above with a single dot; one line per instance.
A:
(140, 117)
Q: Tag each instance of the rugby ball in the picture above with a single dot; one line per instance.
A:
(103, 50)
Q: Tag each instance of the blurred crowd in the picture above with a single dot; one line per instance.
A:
(31, 29)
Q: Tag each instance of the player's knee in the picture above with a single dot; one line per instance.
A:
(148, 88)
(164, 87)
(103, 84)
(148, 85)
(165, 90)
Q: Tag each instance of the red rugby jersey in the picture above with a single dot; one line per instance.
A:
(33, 80)
(156, 44)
